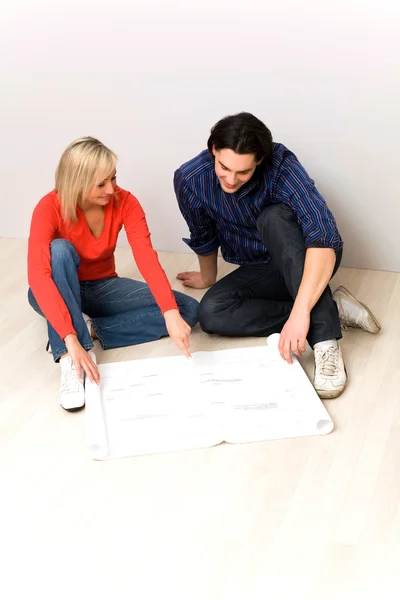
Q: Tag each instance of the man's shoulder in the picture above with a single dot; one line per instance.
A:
(281, 156)
(202, 164)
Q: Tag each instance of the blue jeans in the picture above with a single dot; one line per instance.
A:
(123, 311)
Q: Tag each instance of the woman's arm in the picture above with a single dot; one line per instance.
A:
(44, 227)
(134, 221)
(146, 258)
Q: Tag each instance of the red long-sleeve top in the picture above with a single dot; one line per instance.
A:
(96, 254)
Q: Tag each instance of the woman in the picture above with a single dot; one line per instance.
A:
(71, 269)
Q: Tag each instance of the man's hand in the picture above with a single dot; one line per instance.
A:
(207, 275)
(318, 269)
(293, 335)
(194, 279)
(178, 330)
(81, 359)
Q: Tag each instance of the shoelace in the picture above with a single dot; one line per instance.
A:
(346, 322)
(71, 383)
(327, 362)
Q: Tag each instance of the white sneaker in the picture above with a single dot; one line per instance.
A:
(88, 325)
(330, 373)
(72, 391)
(353, 313)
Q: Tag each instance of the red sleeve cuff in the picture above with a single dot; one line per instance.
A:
(172, 305)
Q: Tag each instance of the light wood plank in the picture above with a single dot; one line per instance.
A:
(309, 518)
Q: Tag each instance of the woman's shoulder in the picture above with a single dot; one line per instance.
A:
(50, 200)
(125, 200)
(46, 214)
(124, 195)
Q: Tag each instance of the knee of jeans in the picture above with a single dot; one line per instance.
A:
(33, 303)
(63, 251)
(191, 312)
(188, 308)
(210, 318)
(268, 220)
(31, 297)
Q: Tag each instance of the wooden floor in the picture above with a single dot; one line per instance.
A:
(309, 518)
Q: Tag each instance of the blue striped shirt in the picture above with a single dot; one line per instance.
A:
(218, 219)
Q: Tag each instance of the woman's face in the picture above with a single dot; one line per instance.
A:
(101, 192)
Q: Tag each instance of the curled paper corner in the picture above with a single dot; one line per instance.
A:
(96, 433)
(324, 426)
(273, 340)
(97, 451)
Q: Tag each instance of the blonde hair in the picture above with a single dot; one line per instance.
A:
(82, 164)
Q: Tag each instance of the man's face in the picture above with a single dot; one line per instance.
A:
(233, 170)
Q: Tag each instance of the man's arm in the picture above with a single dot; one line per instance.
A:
(318, 269)
(321, 237)
(203, 236)
(207, 275)
(296, 189)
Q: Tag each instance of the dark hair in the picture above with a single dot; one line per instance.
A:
(244, 134)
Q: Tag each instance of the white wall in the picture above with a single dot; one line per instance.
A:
(149, 79)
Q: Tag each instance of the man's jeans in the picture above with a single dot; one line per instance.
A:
(256, 299)
(123, 311)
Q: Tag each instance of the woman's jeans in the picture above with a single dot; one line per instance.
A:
(123, 311)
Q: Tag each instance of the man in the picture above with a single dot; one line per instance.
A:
(254, 200)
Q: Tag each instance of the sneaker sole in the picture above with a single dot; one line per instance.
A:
(332, 394)
(74, 409)
(376, 325)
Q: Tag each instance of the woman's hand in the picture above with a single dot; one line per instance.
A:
(81, 359)
(178, 330)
